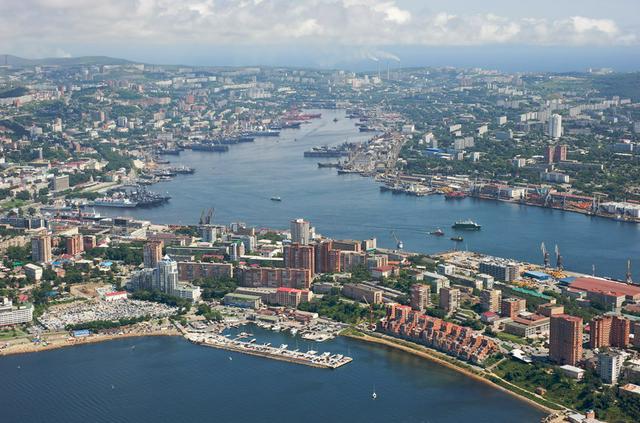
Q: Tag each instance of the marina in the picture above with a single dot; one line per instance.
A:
(309, 358)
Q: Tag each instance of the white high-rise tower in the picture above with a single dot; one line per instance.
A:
(555, 126)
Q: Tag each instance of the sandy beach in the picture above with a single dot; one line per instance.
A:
(68, 341)
(438, 357)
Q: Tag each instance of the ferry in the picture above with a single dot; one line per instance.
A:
(466, 225)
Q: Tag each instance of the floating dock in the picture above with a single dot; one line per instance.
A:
(311, 358)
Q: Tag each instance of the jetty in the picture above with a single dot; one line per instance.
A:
(310, 358)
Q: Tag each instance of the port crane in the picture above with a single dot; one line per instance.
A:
(206, 217)
(559, 260)
(399, 243)
(545, 255)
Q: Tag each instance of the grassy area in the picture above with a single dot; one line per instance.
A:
(511, 338)
(351, 331)
(11, 333)
(14, 203)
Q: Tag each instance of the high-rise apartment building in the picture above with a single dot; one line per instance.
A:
(41, 249)
(74, 244)
(449, 299)
(420, 296)
(555, 126)
(511, 307)
(166, 276)
(152, 253)
(609, 331)
(610, 366)
(565, 339)
(560, 153)
(300, 231)
(490, 299)
(299, 256)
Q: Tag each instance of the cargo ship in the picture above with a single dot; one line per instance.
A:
(469, 225)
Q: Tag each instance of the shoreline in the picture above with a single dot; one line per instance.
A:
(31, 348)
(419, 351)
(432, 355)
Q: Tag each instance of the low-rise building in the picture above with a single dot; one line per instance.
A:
(360, 292)
(13, 315)
(33, 272)
(572, 371)
(242, 300)
(529, 326)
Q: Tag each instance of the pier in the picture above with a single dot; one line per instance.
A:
(311, 358)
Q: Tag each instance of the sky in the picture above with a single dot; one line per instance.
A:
(561, 34)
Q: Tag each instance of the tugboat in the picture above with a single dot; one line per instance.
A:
(437, 232)
(468, 225)
(457, 238)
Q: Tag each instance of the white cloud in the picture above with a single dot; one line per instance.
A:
(367, 23)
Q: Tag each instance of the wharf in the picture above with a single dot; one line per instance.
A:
(325, 360)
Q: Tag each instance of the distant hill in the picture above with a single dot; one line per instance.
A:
(9, 59)
(625, 85)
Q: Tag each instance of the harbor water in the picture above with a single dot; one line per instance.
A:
(167, 379)
(241, 182)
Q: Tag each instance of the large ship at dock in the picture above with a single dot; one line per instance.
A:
(113, 202)
(455, 195)
(266, 133)
(218, 148)
(341, 150)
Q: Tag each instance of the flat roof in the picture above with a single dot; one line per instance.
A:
(242, 296)
(605, 286)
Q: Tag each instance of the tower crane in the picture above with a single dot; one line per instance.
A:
(559, 260)
(371, 325)
(399, 243)
(545, 255)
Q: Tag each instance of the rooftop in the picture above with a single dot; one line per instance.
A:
(605, 286)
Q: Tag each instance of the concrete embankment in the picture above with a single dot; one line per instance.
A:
(325, 361)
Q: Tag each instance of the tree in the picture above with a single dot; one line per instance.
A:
(23, 195)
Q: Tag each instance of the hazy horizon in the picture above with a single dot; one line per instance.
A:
(350, 34)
